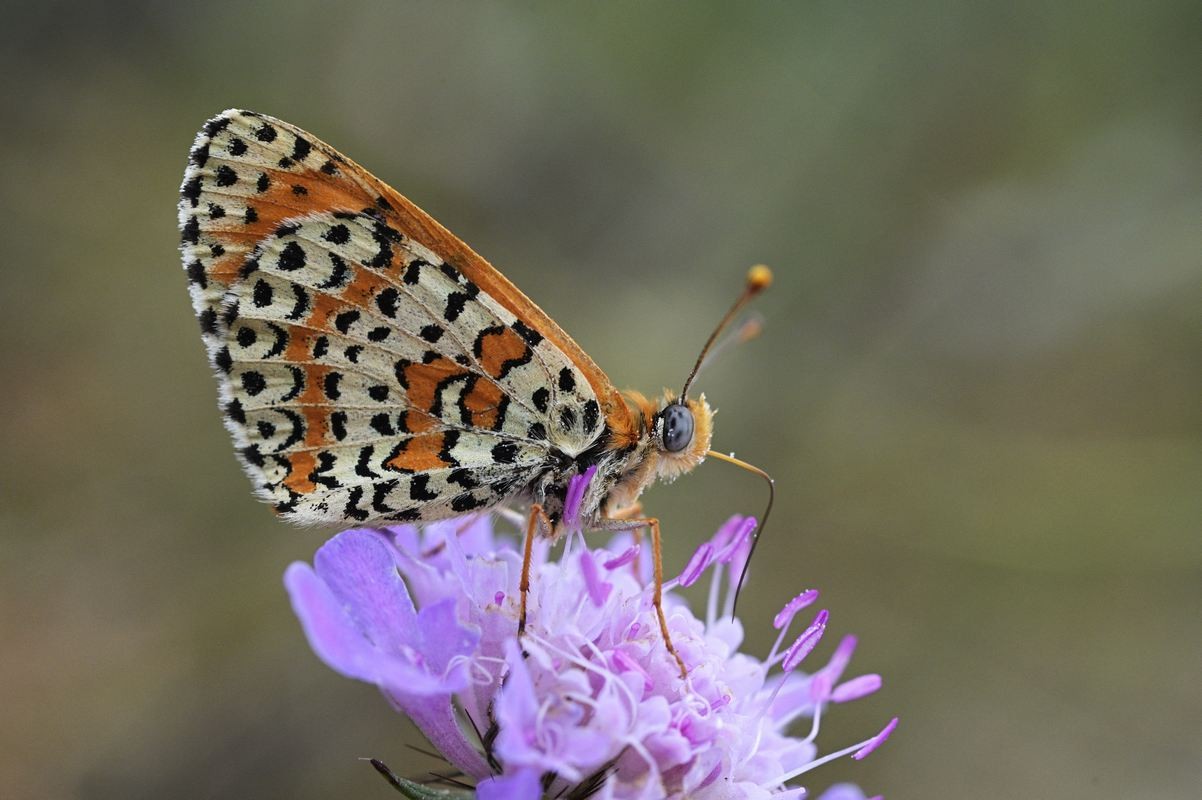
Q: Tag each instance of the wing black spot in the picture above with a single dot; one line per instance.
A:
(208, 321)
(382, 424)
(345, 320)
(505, 453)
(338, 424)
(413, 272)
(386, 301)
(191, 231)
(262, 295)
(531, 336)
(301, 148)
(234, 410)
(339, 234)
(330, 385)
(419, 489)
(253, 382)
(223, 361)
(292, 257)
(592, 412)
(226, 175)
(352, 509)
(362, 466)
(456, 301)
(463, 477)
(467, 502)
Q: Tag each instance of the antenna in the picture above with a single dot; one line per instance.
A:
(763, 520)
(759, 278)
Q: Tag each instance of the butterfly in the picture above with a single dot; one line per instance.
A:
(373, 369)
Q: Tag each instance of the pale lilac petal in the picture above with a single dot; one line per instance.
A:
(360, 571)
(443, 640)
(435, 716)
(843, 791)
(523, 784)
(517, 704)
(330, 631)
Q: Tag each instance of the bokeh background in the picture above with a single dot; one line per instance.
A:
(979, 387)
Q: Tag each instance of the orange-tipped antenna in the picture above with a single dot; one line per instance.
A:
(763, 520)
(759, 278)
(750, 327)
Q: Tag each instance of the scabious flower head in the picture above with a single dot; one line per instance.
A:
(588, 703)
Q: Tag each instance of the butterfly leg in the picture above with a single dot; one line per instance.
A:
(537, 517)
(657, 557)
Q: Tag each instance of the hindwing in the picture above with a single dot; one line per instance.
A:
(364, 374)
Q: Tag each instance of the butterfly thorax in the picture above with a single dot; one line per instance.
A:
(626, 465)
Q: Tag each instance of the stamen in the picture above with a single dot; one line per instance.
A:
(856, 688)
(737, 540)
(697, 564)
(785, 616)
(875, 741)
(630, 554)
(856, 751)
(805, 643)
(784, 620)
(711, 600)
(577, 486)
(598, 589)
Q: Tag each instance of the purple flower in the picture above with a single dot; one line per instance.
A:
(589, 700)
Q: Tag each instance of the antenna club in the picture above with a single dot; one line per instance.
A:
(759, 278)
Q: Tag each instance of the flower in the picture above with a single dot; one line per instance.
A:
(589, 703)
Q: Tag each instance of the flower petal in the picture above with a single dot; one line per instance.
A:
(331, 632)
(523, 784)
(360, 571)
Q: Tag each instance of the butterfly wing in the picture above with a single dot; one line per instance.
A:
(371, 366)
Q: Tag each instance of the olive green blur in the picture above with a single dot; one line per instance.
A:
(979, 386)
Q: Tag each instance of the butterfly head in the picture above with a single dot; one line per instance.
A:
(681, 431)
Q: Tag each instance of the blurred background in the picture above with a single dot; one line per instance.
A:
(978, 389)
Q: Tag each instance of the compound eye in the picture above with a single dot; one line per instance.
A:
(678, 427)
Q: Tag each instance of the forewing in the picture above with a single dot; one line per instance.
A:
(362, 375)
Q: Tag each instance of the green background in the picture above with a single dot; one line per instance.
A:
(978, 389)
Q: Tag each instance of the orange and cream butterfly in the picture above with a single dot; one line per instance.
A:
(374, 369)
